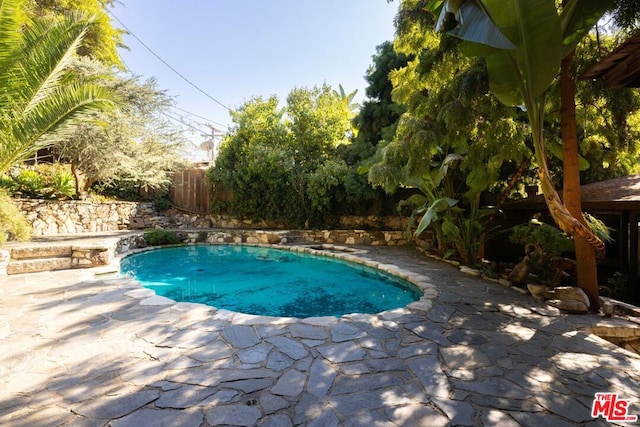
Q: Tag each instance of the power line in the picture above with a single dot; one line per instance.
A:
(177, 119)
(165, 62)
(183, 119)
(126, 66)
(189, 122)
(200, 117)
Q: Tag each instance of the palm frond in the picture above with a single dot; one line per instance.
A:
(10, 22)
(45, 124)
(48, 52)
(41, 98)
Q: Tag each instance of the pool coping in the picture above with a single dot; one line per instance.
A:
(331, 251)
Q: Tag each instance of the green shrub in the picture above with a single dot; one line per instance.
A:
(47, 180)
(161, 238)
(543, 242)
(117, 190)
(161, 204)
(13, 225)
(7, 183)
(61, 184)
(551, 240)
(30, 183)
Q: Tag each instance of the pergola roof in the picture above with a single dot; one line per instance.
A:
(614, 194)
(621, 68)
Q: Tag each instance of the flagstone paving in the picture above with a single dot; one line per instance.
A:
(88, 350)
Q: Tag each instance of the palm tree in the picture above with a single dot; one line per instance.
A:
(349, 105)
(40, 98)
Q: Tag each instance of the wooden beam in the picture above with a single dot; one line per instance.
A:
(624, 74)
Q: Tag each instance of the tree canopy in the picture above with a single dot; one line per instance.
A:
(102, 39)
(283, 164)
(131, 148)
(378, 115)
(450, 114)
(453, 141)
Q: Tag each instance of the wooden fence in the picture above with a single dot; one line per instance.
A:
(190, 191)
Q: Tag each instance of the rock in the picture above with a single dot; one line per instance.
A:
(568, 293)
(519, 273)
(136, 223)
(538, 290)
(77, 216)
(99, 257)
(470, 271)
(50, 217)
(504, 282)
(571, 306)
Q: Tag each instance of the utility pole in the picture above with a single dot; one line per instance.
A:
(213, 142)
(209, 145)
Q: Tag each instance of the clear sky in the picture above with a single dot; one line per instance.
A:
(235, 50)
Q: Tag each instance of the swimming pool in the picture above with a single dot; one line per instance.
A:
(267, 281)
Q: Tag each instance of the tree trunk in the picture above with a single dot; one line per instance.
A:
(76, 176)
(585, 254)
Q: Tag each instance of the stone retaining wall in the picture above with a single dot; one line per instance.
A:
(343, 237)
(49, 218)
(183, 219)
(5, 257)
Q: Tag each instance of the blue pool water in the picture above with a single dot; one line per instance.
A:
(266, 281)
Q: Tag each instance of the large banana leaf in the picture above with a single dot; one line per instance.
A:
(577, 18)
(476, 26)
(433, 212)
(505, 80)
(534, 27)
(539, 37)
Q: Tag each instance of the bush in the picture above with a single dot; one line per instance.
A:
(7, 184)
(161, 238)
(119, 190)
(61, 185)
(161, 204)
(551, 240)
(52, 181)
(13, 225)
(30, 183)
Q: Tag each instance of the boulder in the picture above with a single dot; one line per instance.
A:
(571, 306)
(537, 290)
(568, 293)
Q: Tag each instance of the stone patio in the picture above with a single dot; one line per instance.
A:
(83, 348)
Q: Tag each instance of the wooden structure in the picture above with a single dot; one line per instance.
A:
(190, 191)
(621, 68)
(616, 202)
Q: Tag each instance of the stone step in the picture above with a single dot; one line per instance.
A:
(33, 259)
(39, 264)
(41, 251)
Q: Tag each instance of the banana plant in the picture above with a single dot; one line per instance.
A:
(458, 229)
(349, 105)
(523, 43)
(430, 201)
